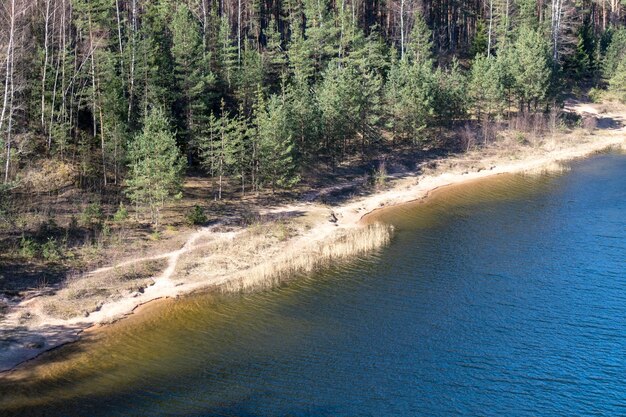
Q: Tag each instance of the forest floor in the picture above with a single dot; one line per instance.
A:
(263, 242)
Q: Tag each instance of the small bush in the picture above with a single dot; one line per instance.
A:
(106, 230)
(51, 250)
(28, 248)
(379, 176)
(92, 215)
(596, 95)
(197, 216)
(121, 214)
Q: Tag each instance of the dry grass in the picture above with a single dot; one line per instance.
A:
(263, 256)
(221, 255)
(344, 245)
(50, 175)
(85, 294)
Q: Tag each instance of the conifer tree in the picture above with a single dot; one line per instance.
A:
(368, 54)
(304, 117)
(450, 94)
(339, 99)
(615, 52)
(155, 165)
(410, 95)
(192, 76)
(249, 76)
(226, 54)
(322, 34)
(300, 59)
(274, 57)
(486, 86)
(530, 68)
(276, 163)
(420, 47)
(617, 83)
(480, 41)
(239, 159)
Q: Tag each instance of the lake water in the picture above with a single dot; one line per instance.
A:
(500, 297)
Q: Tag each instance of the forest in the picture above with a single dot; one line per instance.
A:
(126, 96)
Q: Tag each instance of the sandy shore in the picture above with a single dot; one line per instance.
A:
(27, 330)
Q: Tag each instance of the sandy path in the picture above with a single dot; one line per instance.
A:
(22, 341)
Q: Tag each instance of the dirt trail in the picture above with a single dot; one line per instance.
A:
(22, 339)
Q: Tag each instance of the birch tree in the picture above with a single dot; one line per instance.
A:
(14, 12)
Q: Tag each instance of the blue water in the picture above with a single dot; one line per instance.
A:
(506, 297)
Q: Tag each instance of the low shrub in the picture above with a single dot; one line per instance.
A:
(51, 250)
(121, 214)
(379, 176)
(197, 216)
(596, 95)
(28, 248)
(92, 215)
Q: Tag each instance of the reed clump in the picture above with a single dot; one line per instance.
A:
(263, 256)
(345, 244)
(553, 167)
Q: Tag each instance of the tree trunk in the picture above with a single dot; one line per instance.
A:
(490, 28)
(45, 64)
(239, 32)
(402, 29)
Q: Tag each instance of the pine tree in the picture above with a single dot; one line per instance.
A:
(615, 52)
(486, 87)
(239, 158)
(410, 99)
(300, 59)
(155, 165)
(617, 83)
(274, 57)
(480, 41)
(226, 54)
(338, 101)
(223, 147)
(450, 94)
(304, 118)
(322, 34)
(249, 77)
(217, 151)
(192, 76)
(530, 68)
(368, 54)
(156, 81)
(420, 46)
(94, 22)
(276, 163)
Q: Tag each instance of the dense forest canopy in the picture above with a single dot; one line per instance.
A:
(257, 90)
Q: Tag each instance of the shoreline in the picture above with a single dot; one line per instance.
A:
(29, 343)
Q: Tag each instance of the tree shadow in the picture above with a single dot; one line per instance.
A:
(19, 278)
